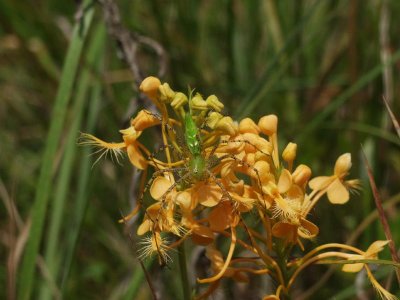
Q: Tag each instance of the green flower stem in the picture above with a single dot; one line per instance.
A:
(183, 271)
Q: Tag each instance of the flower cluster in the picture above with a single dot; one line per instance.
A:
(225, 179)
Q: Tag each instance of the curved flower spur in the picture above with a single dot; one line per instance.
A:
(222, 174)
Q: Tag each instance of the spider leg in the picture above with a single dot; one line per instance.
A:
(145, 189)
(156, 163)
(220, 185)
(246, 164)
(246, 142)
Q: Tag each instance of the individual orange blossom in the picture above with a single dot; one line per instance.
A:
(336, 187)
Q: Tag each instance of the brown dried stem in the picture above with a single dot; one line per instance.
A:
(382, 216)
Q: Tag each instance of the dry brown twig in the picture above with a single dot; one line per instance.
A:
(129, 42)
(382, 216)
(394, 120)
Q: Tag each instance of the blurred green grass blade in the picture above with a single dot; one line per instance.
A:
(367, 129)
(346, 95)
(138, 277)
(81, 198)
(38, 213)
(275, 69)
(53, 253)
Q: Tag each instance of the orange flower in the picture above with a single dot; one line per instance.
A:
(133, 147)
(371, 253)
(336, 187)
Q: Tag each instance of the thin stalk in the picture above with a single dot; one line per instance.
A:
(183, 271)
(382, 216)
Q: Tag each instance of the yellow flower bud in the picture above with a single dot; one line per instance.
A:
(213, 103)
(342, 165)
(289, 154)
(268, 124)
(301, 175)
(197, 102)
(213, 119)
(149, 87)
(227, 126)
(166, 93)
(179, 100)
(247, 125)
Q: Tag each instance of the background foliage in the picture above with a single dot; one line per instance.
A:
(318, 65)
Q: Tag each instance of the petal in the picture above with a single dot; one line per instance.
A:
(159, 187)
(263, 170)
(136, 157)
(202, 235)
(207, 194)
(375, 248)
(342, 165)
(256, 143)
(149, 86)
(268, 124)
(245, 204)
(286, 231)
(248, 125)
(308, 229)
(221, 216)
(353, 268)
(144, 227)
(144, 119)
(301, 175)
(130, 135)
(337, 192)
(320, 182)
(295, 193)
(184, 199)
(227, 168)
(284, 182)
(289, 154)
